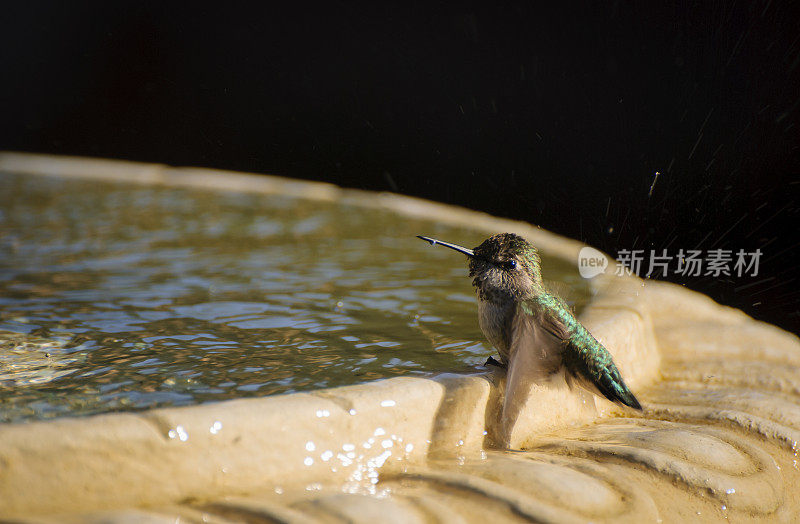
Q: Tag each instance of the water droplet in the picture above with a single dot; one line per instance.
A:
(321, 413)
(379, 432)
(387, 443)
(409, 448)
(352, 411)
(730, 491)
(179, 432)
(388, 403)
(308, 461)
(279, 490)
(215, 427)
(326, 455)
(348, 447)
(343, 459)
(310, 446)
(378, 461)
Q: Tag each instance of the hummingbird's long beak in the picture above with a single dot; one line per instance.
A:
(455, 247)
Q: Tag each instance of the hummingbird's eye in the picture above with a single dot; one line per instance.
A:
(511, 264)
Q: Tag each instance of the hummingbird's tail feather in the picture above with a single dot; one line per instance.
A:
(601, 376)
(614, 389)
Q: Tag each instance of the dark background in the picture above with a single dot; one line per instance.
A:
(557, 115)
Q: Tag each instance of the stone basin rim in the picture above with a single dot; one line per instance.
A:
(260, 440)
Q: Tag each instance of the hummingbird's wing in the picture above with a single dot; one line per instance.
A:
(534, 355)
(587, 362)
(546, 336)
(536, 339)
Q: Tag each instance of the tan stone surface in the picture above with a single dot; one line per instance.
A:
(717, 440)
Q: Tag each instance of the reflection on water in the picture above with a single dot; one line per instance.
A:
(117, 297)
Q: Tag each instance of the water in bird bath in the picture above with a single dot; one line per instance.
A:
(120, 297)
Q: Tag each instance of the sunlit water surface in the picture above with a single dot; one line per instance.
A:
(121, 297)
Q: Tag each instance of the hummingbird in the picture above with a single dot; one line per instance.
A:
(533, 330)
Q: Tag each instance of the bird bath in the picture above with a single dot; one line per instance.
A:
(117, 296)
(130, 290)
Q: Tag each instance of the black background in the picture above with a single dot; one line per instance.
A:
(557, 115)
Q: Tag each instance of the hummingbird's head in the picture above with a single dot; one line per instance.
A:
(504, 266)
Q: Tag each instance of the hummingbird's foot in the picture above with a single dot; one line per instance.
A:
(492, 362)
